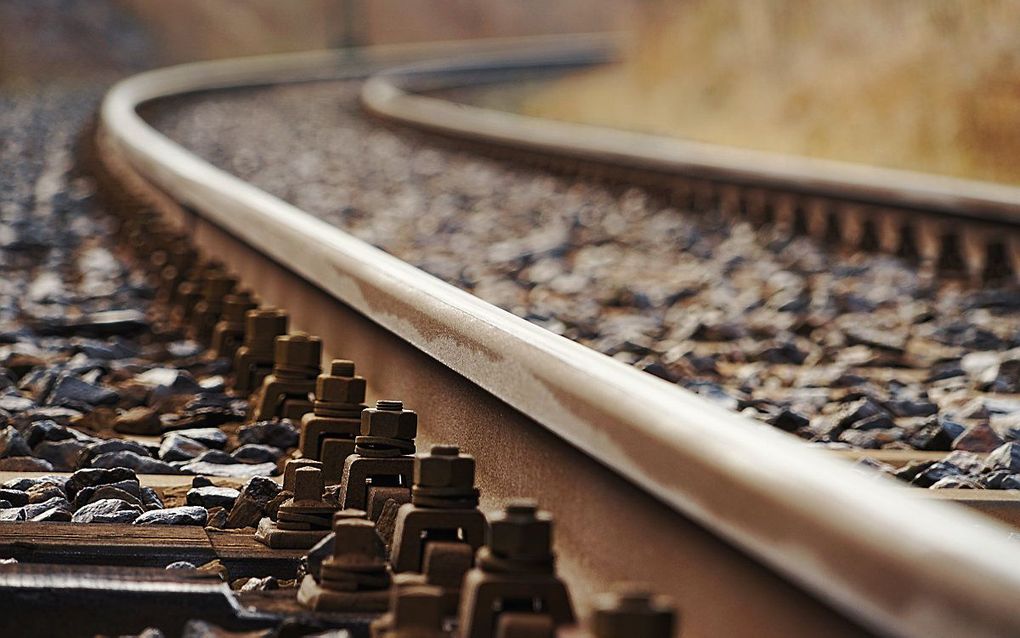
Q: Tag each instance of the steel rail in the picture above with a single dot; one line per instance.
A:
(897, 564)
(395, 94)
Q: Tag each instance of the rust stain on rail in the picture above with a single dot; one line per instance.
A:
(430, 328)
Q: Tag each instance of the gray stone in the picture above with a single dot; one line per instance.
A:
(46, 430)
(12, 443)
(86, 494)
(64, 455)
(280, 433)
(112, 445)
(209, 497)
(957, 483)
(25, 464)
(237, 470)
(25, 483)
(181, 564)
(130, 460)
(97, 476)
(71, 391)
(104, 492)
(938, 435)
(215, 456)
(151, 499)
(16, 498)
(175, 447)
(860, 410)
(1004, 457)
(109, 510)
(187, 515)
(53, 515)
(34, 509)
(256, 453)
(170, 379)
(213, 438)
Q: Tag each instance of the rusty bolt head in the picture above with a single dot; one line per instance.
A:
(298, 350)
(340, 385)
(340, 389)
(417, 607)
(341, 368)
(217, 284)
(263, 325)
(355, 537)
(308, 484)
(292, 467)
(444, 466)
(236, 305)
(521, 532)
(633, 612)
(390, 420)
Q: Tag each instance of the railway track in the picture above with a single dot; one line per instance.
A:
(750, 531)
(947, 224)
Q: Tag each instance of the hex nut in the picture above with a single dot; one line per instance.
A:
(340, 389)
(633, 612)
(418, 606)
(263, 325)
(389, 424)
(355, 537)
(444, 466)
(521, 532)
(298, 350)
(217, 285)
(341, 368)
(236, 306)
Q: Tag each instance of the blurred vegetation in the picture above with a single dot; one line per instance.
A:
(929, 85)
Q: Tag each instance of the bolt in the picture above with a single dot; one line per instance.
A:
(417, 607)
(236, 306)
(633, 612)
(291, 468)
(444, 466)
(340, 385)
(262, 326)
(356, 543)
(297, 354)
(341, 368)
(308, 485)
(522, 533)
(389, 419)
(217, 285)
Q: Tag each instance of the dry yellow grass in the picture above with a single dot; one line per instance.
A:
(929, 85)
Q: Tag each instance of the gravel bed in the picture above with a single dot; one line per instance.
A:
(92, 381)
(999, 470)
(846, 351)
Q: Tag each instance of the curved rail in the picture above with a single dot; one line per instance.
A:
(395, 94)
(899, 565)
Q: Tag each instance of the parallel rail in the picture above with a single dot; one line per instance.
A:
(825, 197)
(537, 409)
